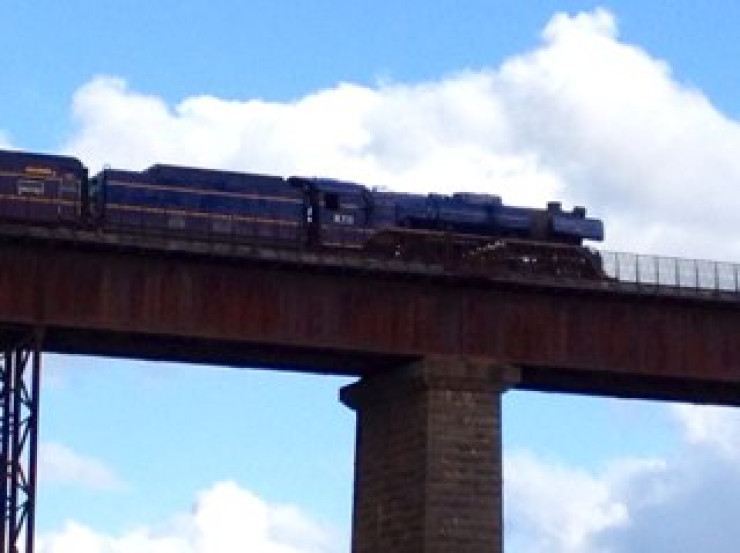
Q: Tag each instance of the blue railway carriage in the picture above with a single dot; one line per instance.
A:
(200, 202)
(42, 189)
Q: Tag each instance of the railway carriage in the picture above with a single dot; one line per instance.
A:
(43, 189)
(200, 203)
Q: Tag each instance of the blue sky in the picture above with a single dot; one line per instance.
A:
(278, 51)
(630, 108)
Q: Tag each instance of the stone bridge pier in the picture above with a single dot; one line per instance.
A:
(428, 470)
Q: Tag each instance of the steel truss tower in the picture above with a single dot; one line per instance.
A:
(20, 366)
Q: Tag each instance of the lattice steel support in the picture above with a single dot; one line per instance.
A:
(20, 366)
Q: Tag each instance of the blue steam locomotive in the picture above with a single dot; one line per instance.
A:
(299, 212)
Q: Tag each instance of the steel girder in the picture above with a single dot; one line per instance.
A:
(20, 365)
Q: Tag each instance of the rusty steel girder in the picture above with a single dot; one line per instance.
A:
(195, 306)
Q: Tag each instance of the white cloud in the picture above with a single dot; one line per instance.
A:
(691, 505)
(715, 427)
(584, 117)
(226, 518)
(611, 121)
(551, 508)
(440, 136)
(684, 503)
(60, 464)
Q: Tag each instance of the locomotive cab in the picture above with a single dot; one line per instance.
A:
(336, 212)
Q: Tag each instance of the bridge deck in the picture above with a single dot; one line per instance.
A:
(236, 304)
(628, 272)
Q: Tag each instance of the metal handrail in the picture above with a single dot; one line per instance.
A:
(672, 272)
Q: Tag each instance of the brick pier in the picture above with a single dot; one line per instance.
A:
(428, 458)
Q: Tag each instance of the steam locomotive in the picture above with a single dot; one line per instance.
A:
(301, 213)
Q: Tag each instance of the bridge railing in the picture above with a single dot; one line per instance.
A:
(672, 272)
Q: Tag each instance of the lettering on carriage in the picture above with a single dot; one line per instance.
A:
(26, 187)
(43, 171)
(344, 219)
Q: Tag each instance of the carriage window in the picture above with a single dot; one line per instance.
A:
(331, 200)
(30, 188)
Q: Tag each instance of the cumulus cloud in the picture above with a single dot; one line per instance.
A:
(583, 117)
(553, 508)
(442, 136)
(225, 518)
(684, 503)
(60, 464)
(715, 427)
(613, 123)
(692, 504)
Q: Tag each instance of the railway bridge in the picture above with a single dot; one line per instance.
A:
(433, 349)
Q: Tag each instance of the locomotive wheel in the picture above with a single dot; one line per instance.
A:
(483, 255)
